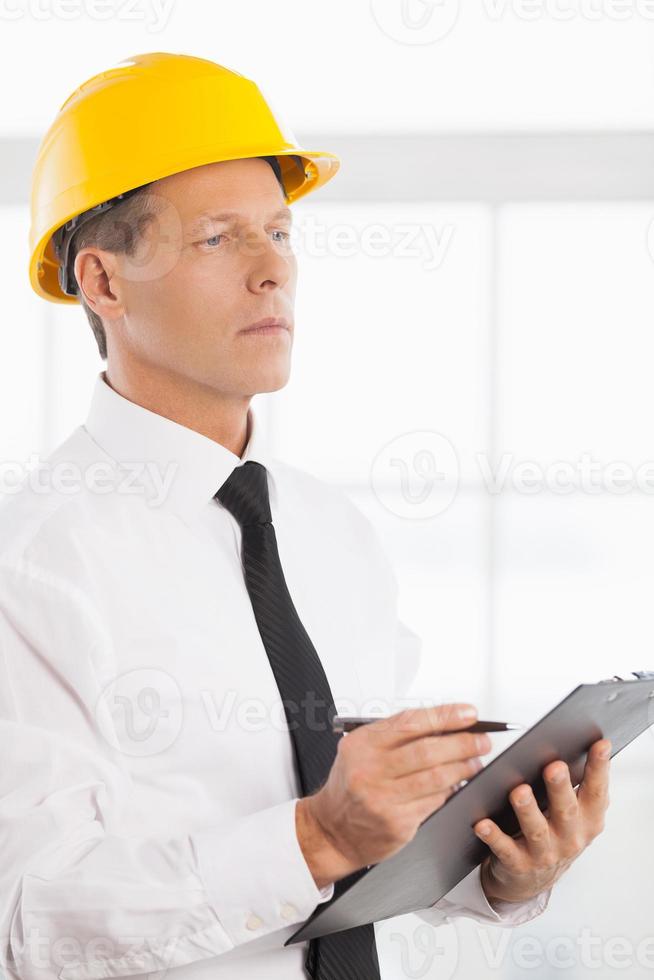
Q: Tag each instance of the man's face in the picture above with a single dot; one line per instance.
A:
(199, 277)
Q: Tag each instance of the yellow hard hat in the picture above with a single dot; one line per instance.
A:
(150, 116)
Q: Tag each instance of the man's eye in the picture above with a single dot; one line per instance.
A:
(215, 239)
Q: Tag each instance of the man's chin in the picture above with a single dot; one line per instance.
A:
(267, 381)
(264, 388)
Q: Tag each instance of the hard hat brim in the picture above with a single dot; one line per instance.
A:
(319, 167)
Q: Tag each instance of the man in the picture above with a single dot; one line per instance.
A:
(181, 611)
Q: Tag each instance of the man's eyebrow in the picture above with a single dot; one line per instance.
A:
(283, 212)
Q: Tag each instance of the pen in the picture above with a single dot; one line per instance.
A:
(346, 723)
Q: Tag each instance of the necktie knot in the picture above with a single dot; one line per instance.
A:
(245, 494)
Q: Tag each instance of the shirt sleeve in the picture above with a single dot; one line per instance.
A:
(79, 897)
(469, 899)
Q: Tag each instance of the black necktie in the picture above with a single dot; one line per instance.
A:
(308, 704)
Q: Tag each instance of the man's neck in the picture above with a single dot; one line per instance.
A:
(220, 417)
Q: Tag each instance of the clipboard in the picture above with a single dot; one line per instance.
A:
(445, 848)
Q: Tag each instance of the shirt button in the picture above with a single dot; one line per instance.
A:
(253, 922)
(289, 912)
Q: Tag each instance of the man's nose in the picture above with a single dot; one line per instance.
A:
(269, 268)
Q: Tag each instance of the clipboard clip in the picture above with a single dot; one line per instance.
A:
(641, 675)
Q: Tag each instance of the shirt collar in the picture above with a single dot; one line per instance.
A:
(191, 466)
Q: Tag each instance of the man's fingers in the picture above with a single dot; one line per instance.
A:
(505, 847)
(433, 750)
(593, 792)
(563, 808)
(417, 722)
(437, 780)
(533, 823)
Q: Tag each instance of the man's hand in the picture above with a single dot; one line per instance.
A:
(387, 778)
(518, 868)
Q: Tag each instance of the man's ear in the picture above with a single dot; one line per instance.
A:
(94, 271)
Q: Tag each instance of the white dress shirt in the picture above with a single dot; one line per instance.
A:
(147, 781)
